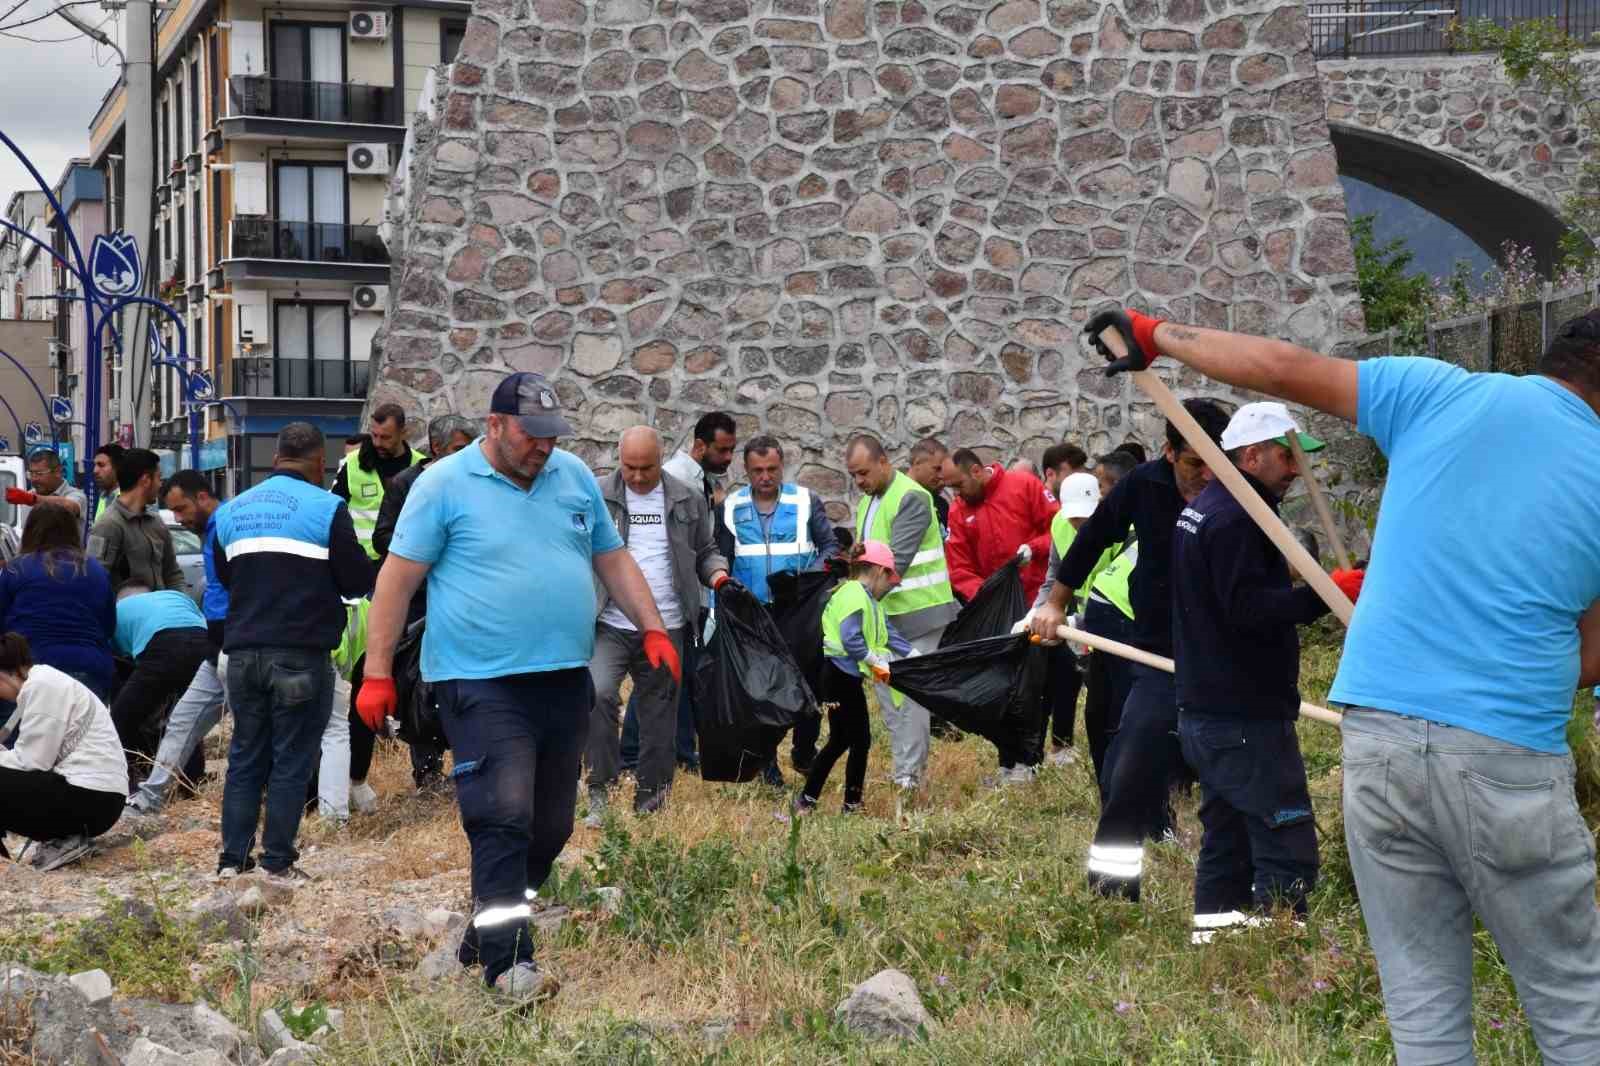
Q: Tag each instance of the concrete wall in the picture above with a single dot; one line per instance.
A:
(844, 216)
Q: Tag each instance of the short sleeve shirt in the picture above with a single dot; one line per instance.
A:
(141, 617)
(1486, 554)
(511, 578)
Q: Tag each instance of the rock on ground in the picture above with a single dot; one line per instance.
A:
(885, 1006)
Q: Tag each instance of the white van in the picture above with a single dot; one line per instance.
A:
(13, 475)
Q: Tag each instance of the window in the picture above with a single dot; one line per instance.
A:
(312, 343)
(311, 211)
(194, 104)
(180, 244)
(308, 71)
(166, 139)
(215, 76)
(451, 31)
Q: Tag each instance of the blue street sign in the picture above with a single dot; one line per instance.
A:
(32, 433)
(200, 387)
(5, 445)
(68, 453)
(60, 408)
(114, 264)
(214, 453)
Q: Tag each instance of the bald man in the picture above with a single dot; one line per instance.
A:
(666, 527)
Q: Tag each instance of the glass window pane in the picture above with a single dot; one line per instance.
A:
(327, 194)
(328, 333)
(292, 340)
(327, 53)
(289, 53)
(294, 194)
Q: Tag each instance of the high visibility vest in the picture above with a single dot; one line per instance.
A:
(845, 600)
(1062, 534)
(1111, 584)
(353, 642)
(366, 498)
(785, 545)
(926, 582)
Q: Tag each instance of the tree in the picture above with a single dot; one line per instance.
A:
(1540, 54)
(1391, 296)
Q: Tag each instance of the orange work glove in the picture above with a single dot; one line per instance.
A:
(376, 701)
(880, 674)
(1349, 582)
(658, 649)
(22, 497)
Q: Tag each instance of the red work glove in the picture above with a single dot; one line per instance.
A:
(1349, 582)
(658, 649)
(724, 580)
(1138, 333)
(22, 497)
(376, 701)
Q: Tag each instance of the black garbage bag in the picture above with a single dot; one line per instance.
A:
(798, 601)
(989, 687)
(993, 611)
(748, 690)
(416, 709)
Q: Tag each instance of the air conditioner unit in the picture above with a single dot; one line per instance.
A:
(369, 25)
(370, 298)
(367, 159)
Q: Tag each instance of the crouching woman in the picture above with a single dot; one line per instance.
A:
(65, 780)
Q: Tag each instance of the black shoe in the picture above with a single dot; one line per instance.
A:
(851, 808)
(649, 802)
(773, 776)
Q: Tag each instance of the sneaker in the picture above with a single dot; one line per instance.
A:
(649, 802)
(138, 823)
(290, 876)
(597, 809)
(526, 983)
(54, 854)
(1063, 757)
(363, 797)
(803, 804)
(773, 776)
(852, 808)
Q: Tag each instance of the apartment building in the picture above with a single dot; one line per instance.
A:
(276, 130)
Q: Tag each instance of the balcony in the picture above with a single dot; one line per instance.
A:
(327, 379)
(271, 248)
(310, 112)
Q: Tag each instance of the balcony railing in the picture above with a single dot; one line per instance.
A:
(313, 242)
(1381, 28)
(316, 101)
(328, 379)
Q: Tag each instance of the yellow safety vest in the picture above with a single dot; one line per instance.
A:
(926, 582)
(846, 600)
(366, 497)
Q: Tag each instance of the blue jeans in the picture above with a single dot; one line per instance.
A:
(197, 713)
(1444, 823)
(518, 742)
(281, 700)
(1260, 844)
(686, 740)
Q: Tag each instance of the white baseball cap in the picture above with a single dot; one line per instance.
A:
(1265, 420)
(1079, 495)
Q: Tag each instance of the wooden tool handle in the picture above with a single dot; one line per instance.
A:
(1161, 662)
(1319, 501)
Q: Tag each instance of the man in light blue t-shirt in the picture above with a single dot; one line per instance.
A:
(510, 534)
(1479, 617)
(164, 633)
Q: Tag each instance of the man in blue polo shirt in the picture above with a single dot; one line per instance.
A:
(1478, 617)
(510, 534)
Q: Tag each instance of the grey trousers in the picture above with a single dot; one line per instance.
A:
(908, 723)
(619, 653)
(1444, 823)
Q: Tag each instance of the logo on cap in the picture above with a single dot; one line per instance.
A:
(547, 399)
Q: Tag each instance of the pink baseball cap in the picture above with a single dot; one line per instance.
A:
(878, 553)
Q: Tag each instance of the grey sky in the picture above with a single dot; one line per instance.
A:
(49, 92)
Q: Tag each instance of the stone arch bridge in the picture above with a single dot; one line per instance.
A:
(1452, 134)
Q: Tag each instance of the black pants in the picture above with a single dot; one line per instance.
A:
(1145, 762)
(41, 805)
(1106, 685)
(1260, 844)
(849, 730)
(1061, 690)
(161, 674)
(427, 760)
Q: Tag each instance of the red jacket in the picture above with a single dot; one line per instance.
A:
(1016, 509)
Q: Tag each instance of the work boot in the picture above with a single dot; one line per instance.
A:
(649, 801)
(54, 854)
(526, 983)
(1063, 756)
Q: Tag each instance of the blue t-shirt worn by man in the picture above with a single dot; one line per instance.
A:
(1487, 551)
(141, 617)
(511, 578)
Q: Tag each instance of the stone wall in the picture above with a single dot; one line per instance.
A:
(828, 216)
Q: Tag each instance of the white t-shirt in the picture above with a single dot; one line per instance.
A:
(647, 541)
(63, 728)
